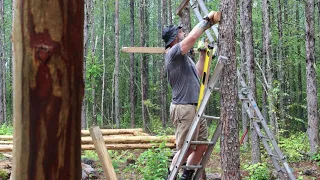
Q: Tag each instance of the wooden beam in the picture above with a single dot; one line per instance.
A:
(181, 6)
(156, 50)
(102, 152)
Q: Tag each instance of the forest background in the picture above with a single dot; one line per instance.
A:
(125, 90)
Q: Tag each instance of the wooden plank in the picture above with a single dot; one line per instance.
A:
(102, 152)
(181, 6)
(156, 50)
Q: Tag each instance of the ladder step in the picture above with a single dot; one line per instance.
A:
(191, 167)
(210, 117)
(274, 156)
(201, 142)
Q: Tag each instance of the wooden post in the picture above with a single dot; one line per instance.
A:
(48, 89)
(101, 149)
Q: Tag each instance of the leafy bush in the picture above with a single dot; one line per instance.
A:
(153, 163)
(6, 130)
(4, 174)
(295, 147)
(258, 171)
(316, 158)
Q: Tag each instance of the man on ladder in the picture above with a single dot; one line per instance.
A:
(183, 76)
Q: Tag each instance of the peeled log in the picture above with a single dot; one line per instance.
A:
(114, 139)
(6, 142)
(8, 148)
(6, 137)
(5, 148)
(130, 139)
(114, 131)
(127, 146)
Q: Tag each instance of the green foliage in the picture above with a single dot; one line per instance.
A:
(295, 147)
(91, 155)
(153, 163)
(4, 174)
(258, 171)
(316, 158)
(6, 130)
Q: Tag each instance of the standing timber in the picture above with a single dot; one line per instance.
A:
(48, 89)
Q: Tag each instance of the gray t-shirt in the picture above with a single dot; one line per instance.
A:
(182, 76)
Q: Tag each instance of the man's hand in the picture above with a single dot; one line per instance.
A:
(214, 17)
(202, 45)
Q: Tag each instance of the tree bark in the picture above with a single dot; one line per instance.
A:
(163, 81)
(312, 98)
(246, 25)
(143, 64)
(132, 74)
(185, 21)
(116, 68)
(229, 140)
(103, 63)
(267, 55)
(319, 12)
(243, 73)
(170, 11)
(85, 46)
(1, 62)
(281, 62)
(48, 89)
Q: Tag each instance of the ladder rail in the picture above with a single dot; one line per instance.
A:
(200, 18)
(275, 146)
(210, 87)
(206, 156)
(204, 9)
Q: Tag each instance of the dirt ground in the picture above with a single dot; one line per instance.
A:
(302, 170)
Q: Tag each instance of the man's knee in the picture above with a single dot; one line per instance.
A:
(201, 148)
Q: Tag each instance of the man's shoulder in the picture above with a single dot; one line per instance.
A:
(174, 50)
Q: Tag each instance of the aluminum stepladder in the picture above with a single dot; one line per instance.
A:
(207, 92)
(267, 138)
(247, 101)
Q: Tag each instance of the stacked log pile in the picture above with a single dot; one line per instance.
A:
(115, 139)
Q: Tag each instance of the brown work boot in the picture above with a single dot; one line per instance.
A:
(187, 174)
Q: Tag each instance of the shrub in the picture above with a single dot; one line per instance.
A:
(258, 171)
(153, 163)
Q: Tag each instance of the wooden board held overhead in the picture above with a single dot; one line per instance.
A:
(156, 50)
(181, 6)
